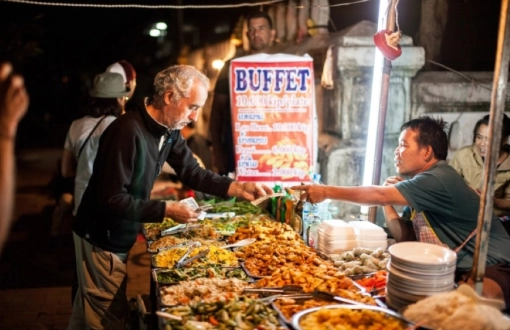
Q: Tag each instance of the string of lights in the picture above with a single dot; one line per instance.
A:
(143, 6)
(92, 5)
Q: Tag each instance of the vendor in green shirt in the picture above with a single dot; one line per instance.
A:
(439, 207)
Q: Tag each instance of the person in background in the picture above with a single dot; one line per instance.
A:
(14, 102)
(261, 36)
(64, 186)
(116, 202)
(80, 147)
(469, 162)
(82, 139)
(128, 73)
(439, 207)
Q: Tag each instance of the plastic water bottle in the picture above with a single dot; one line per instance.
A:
(313, 234)
(307, 209)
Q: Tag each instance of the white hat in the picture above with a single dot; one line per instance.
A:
(117, 68)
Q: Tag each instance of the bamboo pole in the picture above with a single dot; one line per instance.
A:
(485, 213)
(383, 106)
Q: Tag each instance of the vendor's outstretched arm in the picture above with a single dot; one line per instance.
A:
(360, 195)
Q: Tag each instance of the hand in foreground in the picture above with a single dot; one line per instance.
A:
(313, 193)
(248, 190)
(180, 212)
(13, 101)
(390, 181)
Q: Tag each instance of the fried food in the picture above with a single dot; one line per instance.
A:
(350, 319)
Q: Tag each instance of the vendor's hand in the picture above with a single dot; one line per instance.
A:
(390, 181)
(180, 212)
(314, 193)
(248, 190)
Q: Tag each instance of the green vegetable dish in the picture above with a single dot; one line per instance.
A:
(171, 276)
(243, 313)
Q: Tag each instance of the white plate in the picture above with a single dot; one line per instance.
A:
(422, 254)
(413, 279)
(395, 292)
(418, 289)
(421, 273)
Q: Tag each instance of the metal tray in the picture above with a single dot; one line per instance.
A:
(250, 274)
(161, 302)
(179, 229)
(158, 271)
(299, 299)
(296, 319)
(157, 250)
(153, 259)
(153, 264)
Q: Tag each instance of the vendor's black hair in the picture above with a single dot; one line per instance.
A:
(431, 132)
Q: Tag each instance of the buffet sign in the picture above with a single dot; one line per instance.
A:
(273, 117)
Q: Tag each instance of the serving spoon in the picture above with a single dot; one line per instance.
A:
(241, 243)
(195, 324)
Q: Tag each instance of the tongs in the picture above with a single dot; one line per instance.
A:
(180, 228)
(286, 289)
(183, 261)
(173, 230)
(331, 297)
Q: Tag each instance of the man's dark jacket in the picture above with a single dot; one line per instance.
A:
(128, 161)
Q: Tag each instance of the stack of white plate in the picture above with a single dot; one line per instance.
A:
(369, 235)
(418, 270)
(335, 236)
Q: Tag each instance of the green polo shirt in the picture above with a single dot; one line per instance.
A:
(451, 209)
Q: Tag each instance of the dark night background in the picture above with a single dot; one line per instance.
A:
(60, 49)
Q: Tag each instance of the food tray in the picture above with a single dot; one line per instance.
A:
(179, 229)
(212, 310)
(157, 250)
(153, 258)
(236, 272)
(299, 300)
(202, 289)
(194, 264)
(187, 242)
(250, 274)
(296, 319)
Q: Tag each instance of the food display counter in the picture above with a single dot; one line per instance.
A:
(272, 281)
(196, 283)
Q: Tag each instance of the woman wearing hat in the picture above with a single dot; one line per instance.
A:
(128, 75)
(109, 96)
